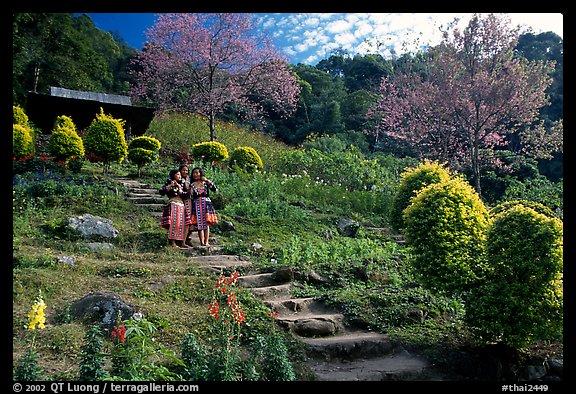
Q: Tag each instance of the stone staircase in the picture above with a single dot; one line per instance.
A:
(144, 195)
(336, 350)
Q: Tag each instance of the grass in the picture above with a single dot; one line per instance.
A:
(291, 211)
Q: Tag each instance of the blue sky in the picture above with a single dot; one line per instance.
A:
(310, 37)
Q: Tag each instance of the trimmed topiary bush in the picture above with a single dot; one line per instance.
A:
(65, 143)
(521, 299)
(19, 116)
(538, 207)
(22, 141)
(143, 150)
(105, 141)
(445, 225)
(209, 152)
(411, 181)
(245, 158)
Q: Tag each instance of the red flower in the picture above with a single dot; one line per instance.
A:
(120, 333)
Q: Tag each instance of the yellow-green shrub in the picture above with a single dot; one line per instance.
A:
(538, 207)
(143, 150)
(65, 143)
(445, 225)
(411, 181)
(19, 116)
(520, 300)
(210, 151)
(22, 141)
(105, 140)
(246, 158)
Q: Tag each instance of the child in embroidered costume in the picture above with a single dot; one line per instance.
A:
(203, 213)
(175, 217)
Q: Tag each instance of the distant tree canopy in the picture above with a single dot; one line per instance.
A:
(477, 94)
(207, 62)
(60, 49)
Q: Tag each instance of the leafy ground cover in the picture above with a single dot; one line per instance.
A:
(291, 209)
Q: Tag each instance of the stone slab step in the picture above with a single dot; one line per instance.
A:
(349, 345)
(259, 280)
(400, 366)
(291, 305)
(274, 292)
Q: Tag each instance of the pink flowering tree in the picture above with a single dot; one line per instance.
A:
(206, 63)
(474, 94)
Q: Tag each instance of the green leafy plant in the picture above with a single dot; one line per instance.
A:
(246, 158)
(27, 368)
(445, 225)
(142, 151)
(64, 142)
(92, 359)
(521, 298)
(105, 140)
(411, 181)
(22, 141)
(209, 152)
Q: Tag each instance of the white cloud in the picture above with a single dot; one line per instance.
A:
(311, 37)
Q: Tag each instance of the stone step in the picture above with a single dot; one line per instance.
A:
(146, 199)
(143, 190)
(312, 325)
(259, 280)
(274, 292)
(152, 207)
(290, 305)
(349, 345)
(217, 262)
(398, 366)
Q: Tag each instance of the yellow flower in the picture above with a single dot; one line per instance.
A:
(36, 316)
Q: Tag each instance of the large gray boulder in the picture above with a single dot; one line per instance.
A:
(101, 307)
(90, 226)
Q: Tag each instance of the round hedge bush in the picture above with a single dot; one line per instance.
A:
(19, 116)
(538, 207)
(445, 225)
(22, 141)
(209, 151)
(521, 299)
(245, 158)
(105, 139)
(145, 142)
(412, 180)
(64, 142)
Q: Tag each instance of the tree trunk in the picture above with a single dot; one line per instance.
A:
(212, 134)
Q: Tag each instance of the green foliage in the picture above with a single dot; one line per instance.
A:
(445, 226)
(271, 356)
(22, 141)
(65, 144)
(105, 140)
(195, 358)
(64, 122)
(411, 181)
(143, 150)
(246, 158)
(520, 300)
(19, 116)
(92, 361)
(145, 142)
(538, 189)
(27, 368)
(506, 205)
(139, 356)
(209, 151)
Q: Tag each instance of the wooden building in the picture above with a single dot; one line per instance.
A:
(82, 107)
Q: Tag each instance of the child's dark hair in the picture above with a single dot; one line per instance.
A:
(173, 173)
(199, 170)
